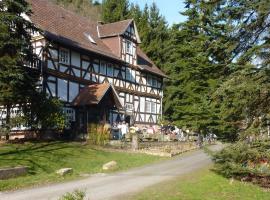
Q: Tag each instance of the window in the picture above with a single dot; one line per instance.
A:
(149, 80)
(154, 82)
(103, 68)
(88, 36)
(129, 106)
(129, 47)
(64, 56)
(153, 107)
(110, 70)
(128, 74)
(62, 89)
(148, 106)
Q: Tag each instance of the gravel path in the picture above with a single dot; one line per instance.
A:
(111, 186)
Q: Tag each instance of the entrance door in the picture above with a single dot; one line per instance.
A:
(82, 121)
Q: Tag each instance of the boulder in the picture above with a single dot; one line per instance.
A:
(110, 165)
(64, 171)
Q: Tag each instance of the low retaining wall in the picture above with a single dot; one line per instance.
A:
(166, 149)
(7, 173)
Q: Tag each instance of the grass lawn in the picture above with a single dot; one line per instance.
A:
(202, 185)
(45, 158)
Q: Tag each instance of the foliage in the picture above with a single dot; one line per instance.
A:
(46, 112)
(17, 85)
(242, 159)
(219, 68)
(114, 10)
(193, 75)
(243, 97)
(87, 8)
(76, 195)
(97, 134)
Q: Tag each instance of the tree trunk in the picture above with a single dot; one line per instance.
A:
(8, 122)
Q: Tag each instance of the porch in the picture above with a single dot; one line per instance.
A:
(94, 104)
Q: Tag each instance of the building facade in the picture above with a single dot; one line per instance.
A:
(76, 53)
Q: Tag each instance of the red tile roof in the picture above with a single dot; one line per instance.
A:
(67, 27)
(114, 29)
(93, 94)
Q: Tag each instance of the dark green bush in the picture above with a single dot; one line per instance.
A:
(242, 159)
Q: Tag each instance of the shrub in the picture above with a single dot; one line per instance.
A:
(97, 134)
(76, 195)
(242, 159)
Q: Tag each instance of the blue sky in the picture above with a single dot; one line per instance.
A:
(168, 8)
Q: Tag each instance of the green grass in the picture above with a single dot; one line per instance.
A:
(44, 159)
(202, 185)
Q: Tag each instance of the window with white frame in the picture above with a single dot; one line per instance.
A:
(148, 106)
(64, 56)
(129, 106)
(129, 47)
(153, 107)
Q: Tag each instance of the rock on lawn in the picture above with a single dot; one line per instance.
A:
(110, 165)
(64, 171)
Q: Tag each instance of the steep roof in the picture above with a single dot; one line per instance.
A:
(64, 26)
(114, 29)
(93, 94)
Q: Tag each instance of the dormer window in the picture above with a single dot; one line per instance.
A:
(88, 36)
(64, 56)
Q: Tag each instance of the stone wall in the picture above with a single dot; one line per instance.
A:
(7, 173)
(167, 149)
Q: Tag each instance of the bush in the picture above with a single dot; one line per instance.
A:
(76, 195)
(242, 159)
(97, 134)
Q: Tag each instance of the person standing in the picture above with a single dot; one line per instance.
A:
(119, 126)
(124, 129)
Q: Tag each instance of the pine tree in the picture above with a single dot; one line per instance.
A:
(193, 73)
(243, 97)
(114, 10)
(17, 85)
(155, 35)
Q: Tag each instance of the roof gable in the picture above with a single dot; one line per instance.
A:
(68, 28)
(117, 28)
(93, 94)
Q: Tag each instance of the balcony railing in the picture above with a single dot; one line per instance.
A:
(35, 64)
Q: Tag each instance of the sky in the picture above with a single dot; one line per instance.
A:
(168, 8)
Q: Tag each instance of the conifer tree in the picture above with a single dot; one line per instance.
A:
(193, 74)
(114, 10)
(17, 85)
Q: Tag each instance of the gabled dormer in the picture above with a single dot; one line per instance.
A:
(122, 38)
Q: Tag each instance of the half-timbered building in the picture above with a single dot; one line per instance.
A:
(79, 57)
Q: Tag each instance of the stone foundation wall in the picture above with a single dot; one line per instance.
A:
(12, 172)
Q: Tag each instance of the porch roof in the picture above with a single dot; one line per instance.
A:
(94, 93)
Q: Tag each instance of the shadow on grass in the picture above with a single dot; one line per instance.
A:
(38, 157)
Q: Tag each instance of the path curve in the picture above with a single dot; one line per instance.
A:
(110, 186)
